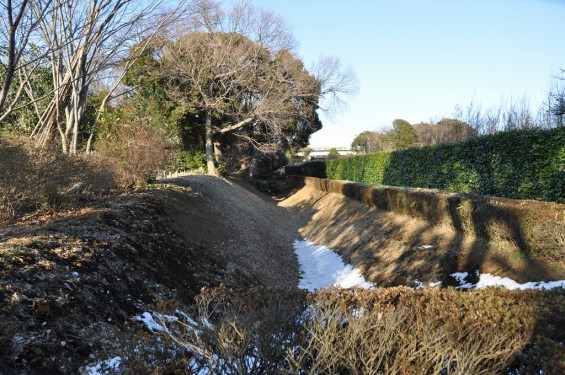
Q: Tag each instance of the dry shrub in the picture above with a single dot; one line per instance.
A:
(135, 153)
(32, 179)
(404, 335)
(548, 240)
(246, 333)
(384, 331)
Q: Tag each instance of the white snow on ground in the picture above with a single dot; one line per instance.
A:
(425, 247)
(109, 365)
(321, 267)
(149, 320)
(486, 280)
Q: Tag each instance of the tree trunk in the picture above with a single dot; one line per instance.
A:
(210, 144)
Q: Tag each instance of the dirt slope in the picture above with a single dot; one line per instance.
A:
(70, 282)
(390, 248)
(252, 234)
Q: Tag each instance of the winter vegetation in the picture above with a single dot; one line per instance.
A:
(97, 98)
(159, 85)
(468, 122)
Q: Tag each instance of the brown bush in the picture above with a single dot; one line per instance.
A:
(135, 153)
(404, 331)
(32, 179)
(382, 331)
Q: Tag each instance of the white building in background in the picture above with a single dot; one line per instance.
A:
(322, 152)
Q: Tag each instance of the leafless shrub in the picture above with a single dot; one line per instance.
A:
(245, 334)
(395, 340)
(32, 179)
(512, 114)
(388, 331)
(136, 153)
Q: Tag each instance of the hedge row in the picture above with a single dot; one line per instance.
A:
(525, 164)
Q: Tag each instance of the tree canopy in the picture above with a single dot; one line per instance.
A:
(367, 142)
(403, 136)
(245, 93)
(225, 79)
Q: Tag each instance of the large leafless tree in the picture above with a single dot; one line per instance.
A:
(19, 21)
(91, 40)
(239, 70)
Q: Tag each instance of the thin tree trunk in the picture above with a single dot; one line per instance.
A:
(210, 144)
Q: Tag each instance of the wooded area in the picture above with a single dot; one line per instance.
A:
(203, 78)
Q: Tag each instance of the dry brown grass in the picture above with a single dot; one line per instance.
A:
(32, 179)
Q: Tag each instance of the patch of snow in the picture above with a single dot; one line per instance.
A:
(321, 267)
(206, 323)
(425, 247)
(108, 366)
(487, 280)
(147, 319)
(460, 277)
(165, 318)
(187, 317)
(421, 285)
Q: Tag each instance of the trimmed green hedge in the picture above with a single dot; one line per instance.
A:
(525, 164)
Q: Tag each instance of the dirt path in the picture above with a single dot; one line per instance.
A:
(251, 233)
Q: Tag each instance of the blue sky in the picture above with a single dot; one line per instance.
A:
(418, 59)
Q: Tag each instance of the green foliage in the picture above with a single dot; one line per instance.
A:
(313, 168)
(524, 164)
(403, 135)
(189, 160)
(23, 119)
(333, 154)
(366, 142)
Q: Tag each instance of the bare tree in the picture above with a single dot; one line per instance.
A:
(19, 20)
(337, 83)
(512, 114)
(553, 112)
(444, 131)
(88, 40)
